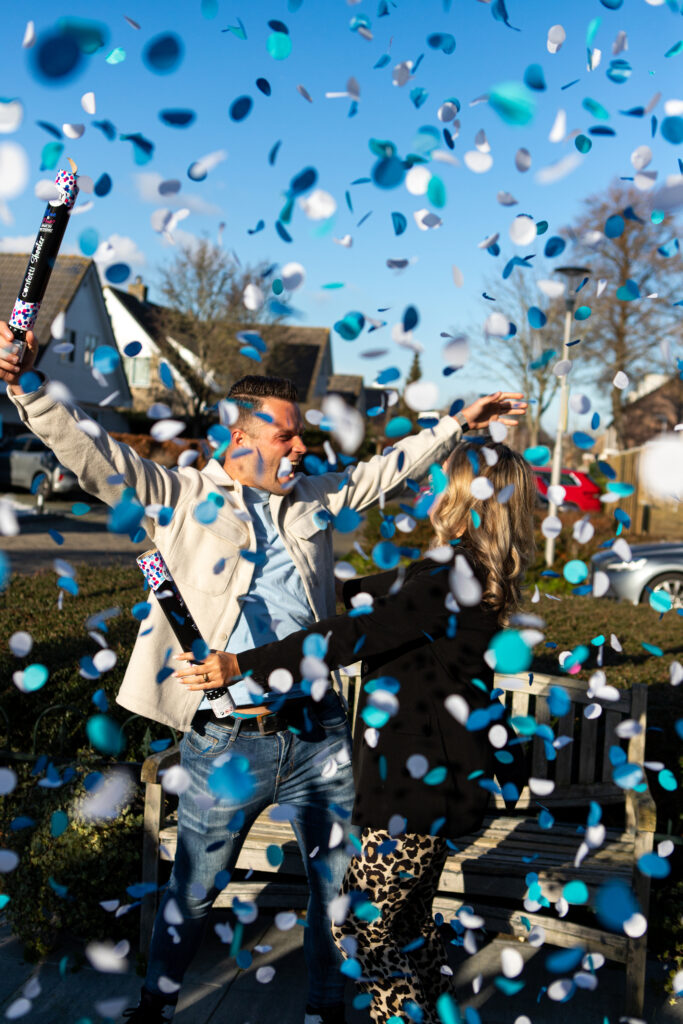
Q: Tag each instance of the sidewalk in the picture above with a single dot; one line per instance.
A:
(216, 991)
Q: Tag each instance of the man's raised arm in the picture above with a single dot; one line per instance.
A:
(103, 466)
(412, 457)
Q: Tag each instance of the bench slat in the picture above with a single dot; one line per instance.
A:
(588, 748)
(563, 763)
(612, 719)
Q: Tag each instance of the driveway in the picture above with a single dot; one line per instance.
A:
(85, 537)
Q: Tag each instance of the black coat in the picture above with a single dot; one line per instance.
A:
(411, 637)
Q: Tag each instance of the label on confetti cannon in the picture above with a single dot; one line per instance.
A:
(186, 630)
(42, 259)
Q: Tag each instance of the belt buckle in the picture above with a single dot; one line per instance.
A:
(260, 725)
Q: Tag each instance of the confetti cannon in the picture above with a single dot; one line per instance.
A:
(156, 572)
(42, 259)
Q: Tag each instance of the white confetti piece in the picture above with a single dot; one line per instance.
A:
(265, 974)
(556, 37)
(481, 488)
(421, 395)
(457, 706)
(285, 920)
(319, 205)
(176, 779)
(511, 962)
(559, 128)
(107, 957)
(523, 230)
(477, 162)
(88, 103)
(73, 131)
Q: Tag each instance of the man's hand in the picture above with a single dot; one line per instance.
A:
(10, 367)
(493, 407)
(216, 670)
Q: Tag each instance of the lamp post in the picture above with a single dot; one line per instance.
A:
(572, 275)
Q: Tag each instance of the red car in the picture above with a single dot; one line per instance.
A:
(580, 491)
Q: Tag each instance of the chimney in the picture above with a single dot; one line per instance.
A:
(138, 289)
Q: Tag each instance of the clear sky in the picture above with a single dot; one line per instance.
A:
(218, 67)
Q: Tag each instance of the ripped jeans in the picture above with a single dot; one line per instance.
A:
(283, 768)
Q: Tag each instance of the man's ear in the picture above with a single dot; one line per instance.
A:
(237, 438)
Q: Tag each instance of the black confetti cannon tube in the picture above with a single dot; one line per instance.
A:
(155, 571)
(42, 259)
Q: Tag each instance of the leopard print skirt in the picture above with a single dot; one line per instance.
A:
(389, 929)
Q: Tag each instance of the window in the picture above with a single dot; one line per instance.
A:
(137, 369)
(68, 357)
(89, 346)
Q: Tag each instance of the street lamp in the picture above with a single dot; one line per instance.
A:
(573, 276)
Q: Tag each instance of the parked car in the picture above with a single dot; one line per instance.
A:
(657, 566)
(579, 490)
(26, 462)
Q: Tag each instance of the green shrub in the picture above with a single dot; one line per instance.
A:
(61, 879)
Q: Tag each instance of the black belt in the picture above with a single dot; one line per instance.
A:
(265, 725)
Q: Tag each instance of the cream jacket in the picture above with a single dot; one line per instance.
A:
(205, 560)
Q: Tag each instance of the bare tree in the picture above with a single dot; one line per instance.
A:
(531, 353)
(204, 309)
(635, 313)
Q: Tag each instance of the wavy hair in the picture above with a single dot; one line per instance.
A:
(498, 533)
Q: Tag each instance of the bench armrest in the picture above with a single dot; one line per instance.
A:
(157, 763)
(641, 811)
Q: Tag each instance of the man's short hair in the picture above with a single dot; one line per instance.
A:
(248, 393)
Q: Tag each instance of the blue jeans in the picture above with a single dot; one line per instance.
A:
(284, 769)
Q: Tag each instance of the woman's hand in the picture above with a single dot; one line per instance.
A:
(218, 669)
(493, 407)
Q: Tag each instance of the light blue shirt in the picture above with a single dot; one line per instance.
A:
(275, 604)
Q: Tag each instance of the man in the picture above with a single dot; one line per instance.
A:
(254, 563)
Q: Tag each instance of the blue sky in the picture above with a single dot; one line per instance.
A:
(244, 188)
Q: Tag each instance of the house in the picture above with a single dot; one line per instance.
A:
(303, 354)
(655, 408)
(74, 290)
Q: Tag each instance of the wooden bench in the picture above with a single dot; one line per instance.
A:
(489, 872)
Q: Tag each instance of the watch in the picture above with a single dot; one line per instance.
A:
(460, 417)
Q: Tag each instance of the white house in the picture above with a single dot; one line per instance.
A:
(74, 290)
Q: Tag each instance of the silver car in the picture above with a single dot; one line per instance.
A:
(26, 462)
(656, 566)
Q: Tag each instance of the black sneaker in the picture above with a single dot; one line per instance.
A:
(150, 1010)
(327, 1015)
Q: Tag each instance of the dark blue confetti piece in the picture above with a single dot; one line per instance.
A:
(388, 172)
(443, 41)
(534, 77)
(163, 53)
(240, 108)
(177, 118)
(56, 536)
(107, 129)
(282, 231)
(51, 128)
(382, 62)
(259, 227)
(117, 273)
(143, 149)
(303, 182)
(263, 85)
(56, 57)
(410, 318)
(554, 246)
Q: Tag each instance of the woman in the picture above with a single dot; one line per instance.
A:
(421, 777)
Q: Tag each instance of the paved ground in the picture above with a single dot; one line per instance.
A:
(217, 991)
(86, 538)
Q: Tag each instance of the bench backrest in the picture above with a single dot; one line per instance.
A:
(581, 769)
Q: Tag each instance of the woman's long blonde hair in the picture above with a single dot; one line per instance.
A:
(498, 530)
